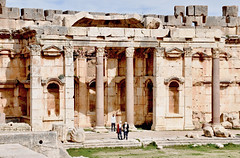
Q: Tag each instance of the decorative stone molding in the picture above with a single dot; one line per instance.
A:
(159, 51)
(174, 53)
(225, 55)
(215, 52)
(187, 51)
(52, 51)
(68, 51)
(35, 50)
(200, 55)
(60, 82)
(167, 81)
(225, 83)
(130, 52)
(100, 51)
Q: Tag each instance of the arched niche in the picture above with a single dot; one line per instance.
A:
(92, 96)
(53, 100)
(174, 97)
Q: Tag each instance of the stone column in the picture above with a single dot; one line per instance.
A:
(215, 87)
(159, 91)
(188, 89)
(36, 90)
(130, 88)
(99, 92)
(69, 86)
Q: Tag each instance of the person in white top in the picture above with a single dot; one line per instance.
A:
(113, 123)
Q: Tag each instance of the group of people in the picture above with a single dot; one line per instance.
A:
(120, 128)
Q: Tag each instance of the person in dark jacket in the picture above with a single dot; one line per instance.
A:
(125, 130)
(119, 130)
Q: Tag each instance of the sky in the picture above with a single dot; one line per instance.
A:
(160, 7)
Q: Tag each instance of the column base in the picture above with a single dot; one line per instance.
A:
(132, 128)
(100, 129)
(189, 127)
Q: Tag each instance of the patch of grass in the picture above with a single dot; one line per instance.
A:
(196, 154)
(150, 146)
(231, 146)
(203, 148)
(87, 129)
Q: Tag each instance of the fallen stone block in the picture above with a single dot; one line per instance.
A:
(61, 130)
(76, 135)
(220, 131)
(15, 127)
(208, 131)
(192, 135)
(227, 125)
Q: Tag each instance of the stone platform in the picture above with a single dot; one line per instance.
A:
(144, 137)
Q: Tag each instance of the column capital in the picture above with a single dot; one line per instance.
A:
(130, 52)
(187, 51)
(68, 51)
(35, 50)
(159, 51)
(215, 52)
(100, 51)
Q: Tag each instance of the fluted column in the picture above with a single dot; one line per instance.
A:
(159, 97)
(215, 87)
(188, 88)
(99, 92)
(36, 90)
(130, 88)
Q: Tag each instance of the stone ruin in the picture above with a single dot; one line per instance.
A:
(78, 68)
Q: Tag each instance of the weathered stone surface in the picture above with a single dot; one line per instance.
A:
(61, 130)
(49, 14)
(13, 13)
(2, 118)
(208, 131)
(219, 145)
(220, 131)
(179, 11)
(32, 14)
(200, 10)
(15, 127)
(230, 11)
(152, 23)
(76, 135)
(227, 125)
(3, 3)
(192, 135)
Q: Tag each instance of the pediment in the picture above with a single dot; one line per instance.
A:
(52, 51)
(174, 53)
(200, 55)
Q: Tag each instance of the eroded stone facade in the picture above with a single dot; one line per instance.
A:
(79, 68)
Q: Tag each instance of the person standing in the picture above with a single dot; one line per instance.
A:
(125, 130)
(113, 123)
(119, 130)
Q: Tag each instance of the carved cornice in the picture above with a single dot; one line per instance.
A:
(130, 52)
(225, 55)
(35, 50)
(68, 51)
(100, 51)
(174, 53)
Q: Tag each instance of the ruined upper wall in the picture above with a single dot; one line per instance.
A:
(190, 16)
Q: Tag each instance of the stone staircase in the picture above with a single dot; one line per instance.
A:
(143, 142)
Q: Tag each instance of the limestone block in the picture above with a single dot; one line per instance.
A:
(226, 125)
(208, 131)
(49, 14)
(13, 13)
(93, 31)
(42, 23)
(193, 21)
(200, 10)
(23, 23)
(159, 32)
(2, 118)
(70, 12)
(232, 21)
(61, 130)
(230, 11)
(7, 24)
(55, 30)
(129, 32)
(57, 20)
(3, 3)
(235, 123)
(16, 127)
(190, 10)
(76, 135)
(79, 31)
(220, 131)
(171, 20)
(111, 32)
(215, 21)
(187, 33)
(4, 14)
(179, 11)
(32, 14)
(141, 32)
